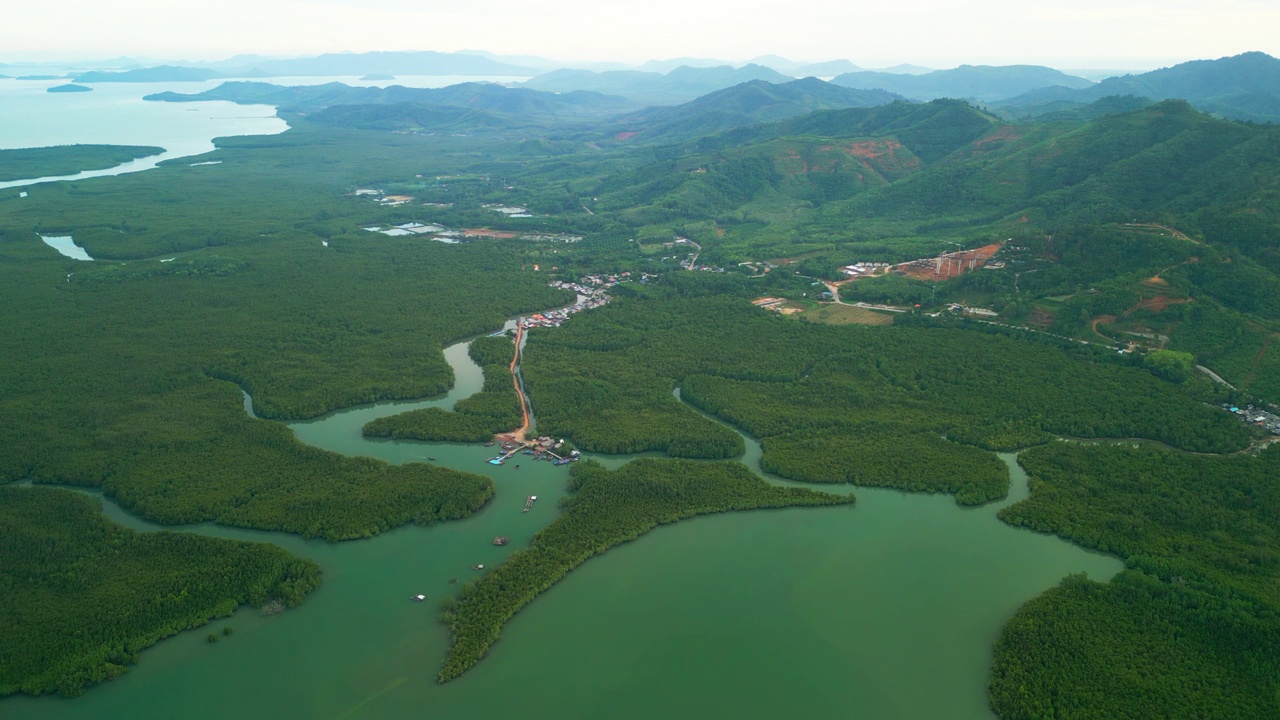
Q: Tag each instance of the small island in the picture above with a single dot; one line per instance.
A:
(69, 88)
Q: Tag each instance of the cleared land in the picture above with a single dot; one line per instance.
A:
(833, 314)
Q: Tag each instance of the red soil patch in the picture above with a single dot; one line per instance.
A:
(1155, 280)
(719, 232)
(624, 136)
(873, 149)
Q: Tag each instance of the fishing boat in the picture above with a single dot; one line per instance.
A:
(501, 540)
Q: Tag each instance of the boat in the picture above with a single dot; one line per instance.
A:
(431, 459)
(489, 444)
(497, 460)
(528, 504)
(418, 598)
(477, 567)
(501, 540)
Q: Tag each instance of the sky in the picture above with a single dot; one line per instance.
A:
(1128, 34)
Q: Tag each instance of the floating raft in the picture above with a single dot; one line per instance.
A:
(528, 504)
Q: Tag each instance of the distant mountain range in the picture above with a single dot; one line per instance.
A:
(681, 84)
(163, 73)
(1243, 87)
(826, 69)
(984, 83)
(390, 63)
(709, 100)
(487, 97)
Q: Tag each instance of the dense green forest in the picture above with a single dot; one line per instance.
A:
(495, 409)
(887, 455)
(131, 393)
(605, 380)
(67, 159)
(606, 508)
(1190, 629)
(83, 596)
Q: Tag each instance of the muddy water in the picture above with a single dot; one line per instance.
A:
(883, 610)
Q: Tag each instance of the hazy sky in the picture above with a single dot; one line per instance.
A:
(1134, 34)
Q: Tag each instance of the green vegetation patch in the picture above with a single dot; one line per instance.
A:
(608, 375)
(1192, 629)
(896, 456)
(607, 508)
(82, 595)
(67, 159)
(130, 393)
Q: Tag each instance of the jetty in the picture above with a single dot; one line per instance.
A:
(518, 435)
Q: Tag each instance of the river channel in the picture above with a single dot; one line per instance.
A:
(884, 610)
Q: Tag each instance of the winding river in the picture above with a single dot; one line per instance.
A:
(884, 610)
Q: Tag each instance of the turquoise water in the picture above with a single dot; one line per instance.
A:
(115, 114)
(884, 610)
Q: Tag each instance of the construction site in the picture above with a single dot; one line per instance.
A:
(948, 265)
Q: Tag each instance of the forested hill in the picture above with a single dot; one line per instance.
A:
(932, 130)
(1244, 87)
(418, 116)
(818, 159)
(977, 82)
(480, 96)
(1166, 160)
(746, 104)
